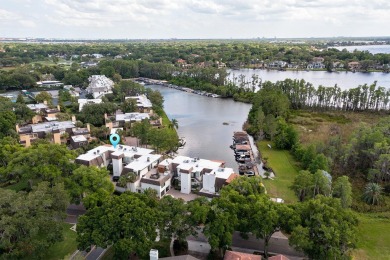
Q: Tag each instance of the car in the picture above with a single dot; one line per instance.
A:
(115, 178)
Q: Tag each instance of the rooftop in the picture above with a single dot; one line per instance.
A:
(142, 101)
(48, 126)
(197, 164)
(99, 83)
(131, 117)
(128, 151)
(79, 138)
(37, 106)
(234, 255)
(143, 162)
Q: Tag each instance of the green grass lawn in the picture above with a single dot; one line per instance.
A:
(65, 248)
(285, 169)
(374, 237)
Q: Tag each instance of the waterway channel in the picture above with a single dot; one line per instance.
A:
(201, 121)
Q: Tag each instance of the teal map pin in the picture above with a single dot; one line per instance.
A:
(114, 139)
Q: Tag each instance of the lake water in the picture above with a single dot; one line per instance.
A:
(344, 80)
(201, 121)
(374, 49)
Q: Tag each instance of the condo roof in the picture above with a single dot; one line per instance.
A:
(51, 126)
(197, 164)
(143, 162)
(128, 151)
(142, 101)
(131, 117)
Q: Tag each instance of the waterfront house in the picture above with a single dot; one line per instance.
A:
(316, 65)
(120, 119)
(99, 85)
(143, 103)
(354, 65)
(278, 64)
(126, 160)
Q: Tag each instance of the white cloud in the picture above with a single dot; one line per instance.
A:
(27, 23)
(198, 18)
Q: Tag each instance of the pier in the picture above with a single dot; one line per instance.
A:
(244, 154)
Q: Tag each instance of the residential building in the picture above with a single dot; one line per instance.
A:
(129, 159)
(73, 91)
(278, 257)
(220, 64)
(318, 60)
(43, 112)
(234, 255)
(61, 131)
(206, 176)
(354, 65)
(50, 83)
(150, 171)
(143, 103)
(99, 85)
(278, 64)
(316, 65)
(120, 119)
(82, 102)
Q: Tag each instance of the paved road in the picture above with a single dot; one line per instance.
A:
(73, 212)
(278, 244)
(95, 253)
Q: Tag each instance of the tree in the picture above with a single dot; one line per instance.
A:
(90, 185)
(372, 193)
(302, 185)
(128, 222)
(174, 123)
(175, 221)
(31, 222)
(129, 105)
(326, 230)
(267, 217)
(20, 99)
(44, 96)
(41, 162)
(7, 123)
(342, 189)
(321, 183)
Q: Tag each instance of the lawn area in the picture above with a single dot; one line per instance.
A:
(374, 237)
(65, 248)
(285, 169)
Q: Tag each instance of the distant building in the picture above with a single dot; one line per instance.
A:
(99, 85)
(82, 102)
(278, 64)
(354, 65)
(50, 83)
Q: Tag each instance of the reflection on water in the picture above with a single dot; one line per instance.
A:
(201, 121)
(344, 80)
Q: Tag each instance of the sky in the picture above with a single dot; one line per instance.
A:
(193, 19)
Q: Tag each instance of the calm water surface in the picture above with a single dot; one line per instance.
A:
(374, 49)
(344, 80)
(200, 123)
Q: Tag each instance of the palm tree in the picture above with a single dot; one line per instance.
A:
(372, 193)
(174, 123)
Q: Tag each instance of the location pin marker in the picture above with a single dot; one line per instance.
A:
(114, 139)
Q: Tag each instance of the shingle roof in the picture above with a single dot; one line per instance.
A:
(233, 255)
(278, 257)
